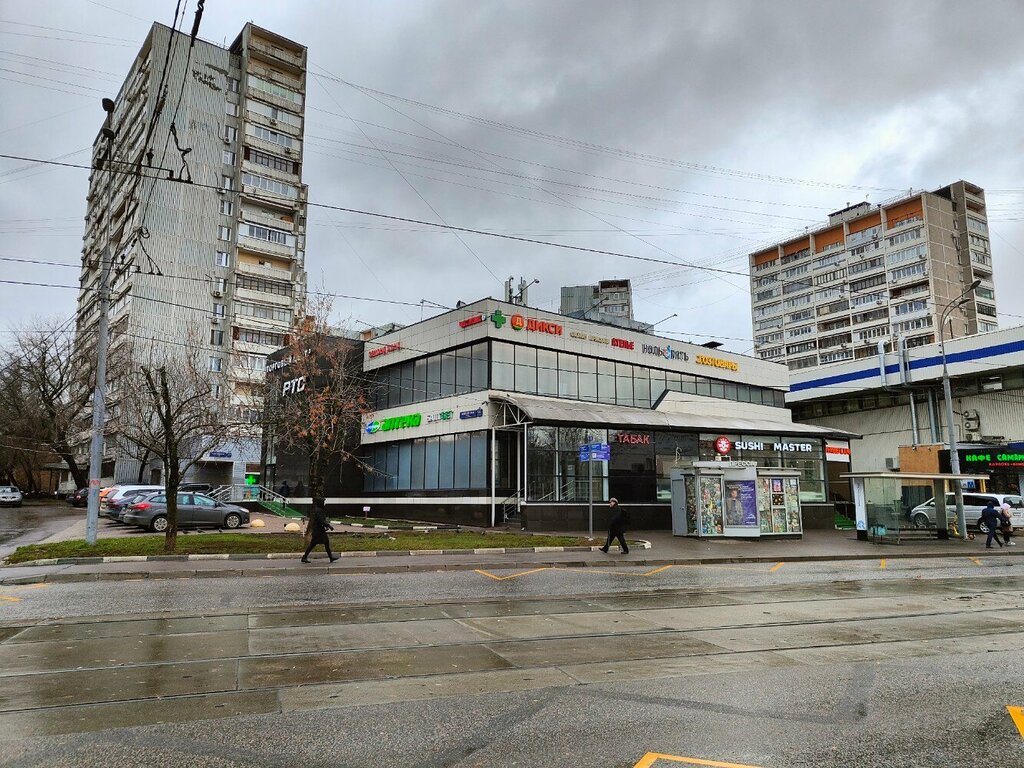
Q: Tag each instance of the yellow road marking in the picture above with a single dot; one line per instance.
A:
(651, 758)
(776, 567)
(9, 599)
(975, 560)
(28, 586)
(1017, 714)
(615, 573)
(511, 576)
(881, 564)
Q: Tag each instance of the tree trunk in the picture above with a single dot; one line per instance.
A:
(142, 468)
(79, 474)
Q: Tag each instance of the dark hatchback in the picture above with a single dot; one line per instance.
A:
(79, 498)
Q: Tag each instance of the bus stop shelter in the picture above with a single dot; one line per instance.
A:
(883, 501)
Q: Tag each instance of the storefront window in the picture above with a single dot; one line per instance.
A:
(462, 458)
(404, 466)
(433, 377)
(606, 381)
(419, 380)
(658, 385)
(455, 461)
(463, 371)
(447, 374)
(416, 465)
(641, 387)
(631, 471)
(406, 383)
(478, 460)
(526, 370)
(568, 376)
(430, 461)
(588, 379)
(624, 384)
(446, 461)
(671, 448)
(392, 468)
(547, 372)
(479, 376)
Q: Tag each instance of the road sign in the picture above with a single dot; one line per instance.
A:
(595, 452)
(584, 453)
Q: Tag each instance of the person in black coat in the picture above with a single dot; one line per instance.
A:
(318, 527)
(992, 518)
(617, 527)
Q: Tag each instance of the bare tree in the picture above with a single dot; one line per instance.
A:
(172, 407)
(316, 405)
(45, 388)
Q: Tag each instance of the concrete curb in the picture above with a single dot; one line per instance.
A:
(414, 567)
(638, 544)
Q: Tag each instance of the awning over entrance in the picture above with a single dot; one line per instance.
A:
(550, 411)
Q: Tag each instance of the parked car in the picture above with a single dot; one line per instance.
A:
(111, 502)
(923, 515)
(204, 488)
(194, 511)
(117, 506)
(10, 496)
(79, 498)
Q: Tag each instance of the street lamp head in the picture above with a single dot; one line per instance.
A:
(973, 285)
(108, 105)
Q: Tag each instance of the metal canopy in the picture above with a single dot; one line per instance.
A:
(549, 411)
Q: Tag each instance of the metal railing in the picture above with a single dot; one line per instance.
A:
(242, 492)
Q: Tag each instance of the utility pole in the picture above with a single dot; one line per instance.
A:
(102, 339)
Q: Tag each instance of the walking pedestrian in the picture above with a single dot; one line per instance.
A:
(993, 519)
(1006, 524)
(300, 489)
(617, 526)
(318, 527)
(284, 490)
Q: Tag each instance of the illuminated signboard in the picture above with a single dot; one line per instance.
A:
(623, 344)
(433, 418)
(752, 445)
(520, 323)
(471, 321)
(723, 445)
(836, 451)
(993, 458)
(385, 349)
(717, 362)
(395, 422)
(631, 439)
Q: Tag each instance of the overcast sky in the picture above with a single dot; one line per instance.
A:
(684, 132)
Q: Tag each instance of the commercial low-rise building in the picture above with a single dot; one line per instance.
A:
(895, 401)
(480, 414)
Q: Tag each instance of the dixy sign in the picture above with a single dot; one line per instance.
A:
(520, 323)
(723, 445)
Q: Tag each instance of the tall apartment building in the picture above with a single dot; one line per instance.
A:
(231, 246)
(875, 273)
(609, 298)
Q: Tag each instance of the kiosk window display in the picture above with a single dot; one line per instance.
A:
(735, 499)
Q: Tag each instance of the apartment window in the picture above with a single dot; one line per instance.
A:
(907, 254)
(906, 308)
(986, 310)
(228, 157)
(227, 207)
(218, 310)
(274, 113)
(905, 237)
(230, 109)
(274, 89)
(912, 325)
(867, 266)
(220, 284)
(264, 285)
(803, 314)
(804, 362)
(270, 161)
(871, 298)
(216, 364)
(230, 133)
(798, 301)
(251, 362)
(802, 269)
(224, 233)
(221, 259)
(261, 337)
(824, 294)
(233, 84)
(268, 234)
(912, 271)
(865, 234)
(984, 327)
(215, 391)
(794, 333)
(868, 282)
(268, 135)
(985, 293)
(263, 311)
(770, 309)
(270, 185)
(216, 338)
(977, 225)
(227, 182)
(771, 293)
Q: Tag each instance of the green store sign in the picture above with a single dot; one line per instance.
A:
(395, 422)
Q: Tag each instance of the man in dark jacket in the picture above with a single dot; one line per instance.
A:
(318, 527)
(617, 526)
(992, 519)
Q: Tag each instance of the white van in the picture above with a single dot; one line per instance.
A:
(923, 515)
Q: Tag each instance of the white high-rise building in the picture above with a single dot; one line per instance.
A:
(875, 273)
(219, 262)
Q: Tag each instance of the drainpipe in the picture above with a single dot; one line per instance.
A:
(902, 358)
(933, 416)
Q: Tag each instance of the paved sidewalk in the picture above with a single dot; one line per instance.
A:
(665, 550)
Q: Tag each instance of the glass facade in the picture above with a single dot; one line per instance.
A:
(534, 371)
(447, 462)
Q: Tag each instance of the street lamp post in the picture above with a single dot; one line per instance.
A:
(954, 457)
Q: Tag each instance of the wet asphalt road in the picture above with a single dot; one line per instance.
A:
(812, 664)
(34, 522)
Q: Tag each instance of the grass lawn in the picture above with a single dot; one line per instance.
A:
(263, 543)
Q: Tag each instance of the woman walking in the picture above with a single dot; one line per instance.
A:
(318, 527)
(617, 527)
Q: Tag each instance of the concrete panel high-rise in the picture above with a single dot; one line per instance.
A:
(875, 273)
(219, 262)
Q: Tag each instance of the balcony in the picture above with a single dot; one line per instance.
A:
(276, 54)
(262, 297)
(893, 226)
(256, 245)
(260, 270)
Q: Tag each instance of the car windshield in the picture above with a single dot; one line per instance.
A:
(7, 489)
(1014, 501)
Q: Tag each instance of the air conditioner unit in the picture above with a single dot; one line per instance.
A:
(892, 464)
(218, 294)
(221, 191)
(287, 151)
(215, 320)
(273, 121)
(227, 140)
(972, 437)
(880, 302)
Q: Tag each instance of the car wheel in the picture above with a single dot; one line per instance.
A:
(158, 524)
(921, 520)
(233, 520)
(982, 526)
